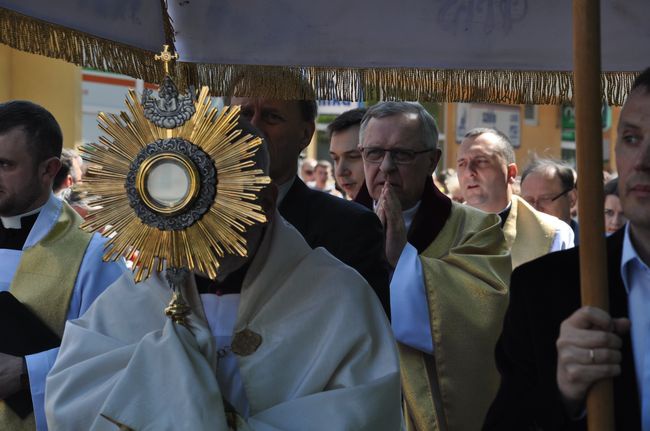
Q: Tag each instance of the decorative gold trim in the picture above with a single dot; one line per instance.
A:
(29, 34)
(143, 175)
(436, 85)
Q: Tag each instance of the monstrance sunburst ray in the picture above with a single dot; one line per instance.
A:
(218, 231)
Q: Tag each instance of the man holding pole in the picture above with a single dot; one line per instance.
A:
(552, 351)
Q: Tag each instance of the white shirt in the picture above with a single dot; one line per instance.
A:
(221, 314)
(636, 279)
(564, 237)
(408, 299)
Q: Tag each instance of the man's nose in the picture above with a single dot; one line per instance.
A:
(471, 168)
(619, 218)
(642, 162)
(341, 169)
(256, 120)
(387, 163)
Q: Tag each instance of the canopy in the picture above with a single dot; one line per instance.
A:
(502, 51)
(509, 51)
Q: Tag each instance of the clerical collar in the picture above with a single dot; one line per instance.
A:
(504, 213)
(409, 215)
(14, 239)
(283, 189)
(13, 222)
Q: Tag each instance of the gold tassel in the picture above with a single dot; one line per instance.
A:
(430, 85)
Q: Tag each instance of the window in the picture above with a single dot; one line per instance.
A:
(530, 115)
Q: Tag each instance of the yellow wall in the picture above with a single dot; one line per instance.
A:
(54, 84)
(542, 139)
(5, 72)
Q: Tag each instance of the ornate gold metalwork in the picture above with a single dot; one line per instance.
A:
(219, 230)
(166, 57)
(245, 342)
(178, 310)
(154, 161)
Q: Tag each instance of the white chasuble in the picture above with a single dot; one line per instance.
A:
(327, 359)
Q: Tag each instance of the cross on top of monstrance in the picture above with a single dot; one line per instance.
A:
(176, 180)
(166, 57)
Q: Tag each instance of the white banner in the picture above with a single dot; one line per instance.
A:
(440, 34)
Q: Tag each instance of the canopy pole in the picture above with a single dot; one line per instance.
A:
(593, 256)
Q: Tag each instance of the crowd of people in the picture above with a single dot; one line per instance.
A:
(412, 304)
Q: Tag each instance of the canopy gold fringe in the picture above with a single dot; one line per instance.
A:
(489, 86)
(39, 37)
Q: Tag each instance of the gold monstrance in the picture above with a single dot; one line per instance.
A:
(175, 184)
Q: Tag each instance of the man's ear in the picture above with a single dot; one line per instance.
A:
(68, 182)
(573, 197)
(511, 172)
(308, 132)
(49, 168)
(434, 160)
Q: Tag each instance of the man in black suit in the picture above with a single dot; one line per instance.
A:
(348, 231)
(552, 351)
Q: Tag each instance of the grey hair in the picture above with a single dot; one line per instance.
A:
(505, 148)
(428, 126)
(560, 169)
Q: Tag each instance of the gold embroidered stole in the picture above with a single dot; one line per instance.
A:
(467, 271)
(44, 282)
(529, 233)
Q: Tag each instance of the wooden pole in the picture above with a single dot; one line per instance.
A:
(593, 256)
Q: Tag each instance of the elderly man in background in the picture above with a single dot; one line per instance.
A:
(451, 270)
(550, 187)
(296, 340)
(344, 143)
(486, 172)
(52, 268)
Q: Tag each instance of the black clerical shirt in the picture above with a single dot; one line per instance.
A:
(504, 215)
(14, 239)
(231, 284)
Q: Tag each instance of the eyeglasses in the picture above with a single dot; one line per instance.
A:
(545, 200)
(399, 157)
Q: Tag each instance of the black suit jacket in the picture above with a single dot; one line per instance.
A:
(543, 293)
(350, 232)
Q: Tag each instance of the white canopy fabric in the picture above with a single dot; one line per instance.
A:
(516, 50)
